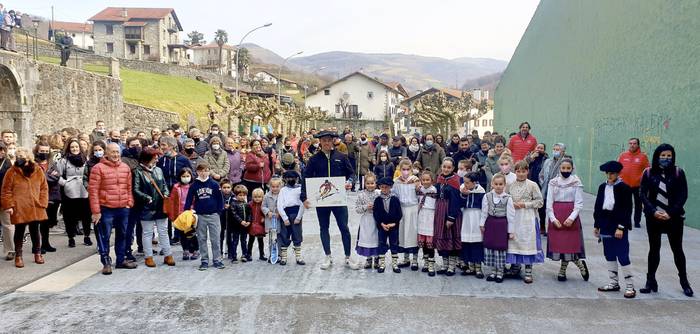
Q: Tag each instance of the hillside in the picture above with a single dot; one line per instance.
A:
(488, 82)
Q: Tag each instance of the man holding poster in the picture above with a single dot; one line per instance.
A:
(326, 166)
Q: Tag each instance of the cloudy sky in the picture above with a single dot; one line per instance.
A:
(448, 29)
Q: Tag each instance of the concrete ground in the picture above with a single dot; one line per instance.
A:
(259, 297)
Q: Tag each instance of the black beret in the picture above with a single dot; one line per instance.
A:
(385, 181)
(326, 133)
(290, 174)
(611, 167)
(384, 136)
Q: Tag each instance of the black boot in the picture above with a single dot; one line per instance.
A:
(651, 285)
(685, 285)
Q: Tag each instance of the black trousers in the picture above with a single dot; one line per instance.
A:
(261, 245)
(77, 211)
(252, 186)
(674, 229)
(33, 233)
(637, 206)
(52, 212)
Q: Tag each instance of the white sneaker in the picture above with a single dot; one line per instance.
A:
(351, 265)
(327, 262)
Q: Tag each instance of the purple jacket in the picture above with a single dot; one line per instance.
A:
(236, 171)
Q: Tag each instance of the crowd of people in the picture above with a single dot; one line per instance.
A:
(483, 204)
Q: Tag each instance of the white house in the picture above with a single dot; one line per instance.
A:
(271, 79)
(80, 32)
(481, 124)
(359, 100)
(207, 57)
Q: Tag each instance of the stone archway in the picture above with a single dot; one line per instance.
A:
(11, 114)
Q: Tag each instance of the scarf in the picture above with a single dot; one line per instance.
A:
(386, 199)
(414, 147)
(76, 160)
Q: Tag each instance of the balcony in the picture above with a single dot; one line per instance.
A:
(133, 37)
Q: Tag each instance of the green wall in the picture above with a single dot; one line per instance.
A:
(594, 73)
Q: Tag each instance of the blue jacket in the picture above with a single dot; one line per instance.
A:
(320, 165)
(206, 196)
(172, 166)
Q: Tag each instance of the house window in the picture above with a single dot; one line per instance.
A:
(146, 49)
(484, 122)
(476, 122)
(326, 92)
(165, 51)
(110, 29)
(490, 122)
(337, 109)
(352, 110)
(132, 48)
(132, 33)
(110, 47)
(370, 95)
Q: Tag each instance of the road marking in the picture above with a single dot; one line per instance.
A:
(66, 278)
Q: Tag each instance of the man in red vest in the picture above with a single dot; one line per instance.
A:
(522, 143)
(634, 162)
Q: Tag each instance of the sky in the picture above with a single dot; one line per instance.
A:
(448, 29)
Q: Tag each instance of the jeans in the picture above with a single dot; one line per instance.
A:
(324, 221)
(163, 239)
(637, 206)
(119, 219)
(134, 218)
(209, 227)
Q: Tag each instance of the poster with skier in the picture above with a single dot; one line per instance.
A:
(326, 191)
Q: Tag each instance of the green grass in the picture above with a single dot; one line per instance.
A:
(181, 95)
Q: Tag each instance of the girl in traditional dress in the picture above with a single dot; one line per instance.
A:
(472, 195)
(497, 217)
(405, 189)
(565, 236)
(367, 233)
(426, 221)
(526, 247)
(448, 222)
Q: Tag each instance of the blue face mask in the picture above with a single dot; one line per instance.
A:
(556, 154)
(665, 162)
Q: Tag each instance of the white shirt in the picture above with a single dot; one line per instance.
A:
(609, 200)
(289, 197)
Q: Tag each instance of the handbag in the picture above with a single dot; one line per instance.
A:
(165, 199)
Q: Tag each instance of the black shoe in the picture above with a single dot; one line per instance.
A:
(71, 243)
(479, 275)
(686, 286)
(262, 258)
(499, 279)
(449, 272)
(87, 241)
(491, 277)
(397, 269)
(126, 265)
(650, 286)
(585, 273)
(561, 278)
(47, 248)
(414, 267)
(431, 273)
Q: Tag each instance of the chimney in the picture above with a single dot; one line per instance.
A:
(125, 14)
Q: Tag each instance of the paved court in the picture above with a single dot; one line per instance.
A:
(258, 297)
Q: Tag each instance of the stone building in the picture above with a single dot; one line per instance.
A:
(139, 33)
(207, 57)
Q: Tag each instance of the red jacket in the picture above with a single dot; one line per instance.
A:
(110, 186)
(633, 165)
(520, 147)
(257, 226)
(252, 168)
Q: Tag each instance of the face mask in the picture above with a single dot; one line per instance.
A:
(186, 179)
(42, 156)
(189, 151)
(215, 147)
(20, 162)
(134, 151)
(382, 158)
(215, 132)
(99, 154)
(565, 174)
(429, 143)
(196, 140)
(287, 147)
(665, 162)
(316, 145)
(416, 171)
(485, 151)
(505, 169)
(101, 130)
(11, 152)
(461, 173)
(405, 173)
(556, 154)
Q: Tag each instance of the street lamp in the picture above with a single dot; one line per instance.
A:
(238, 47)
(305, 80)
(279, 80)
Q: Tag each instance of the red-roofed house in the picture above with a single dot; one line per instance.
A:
(80, 32)
(139, 33)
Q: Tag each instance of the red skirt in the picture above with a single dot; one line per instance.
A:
(564, 240)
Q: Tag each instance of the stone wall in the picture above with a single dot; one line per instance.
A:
(68, 97)
(142, 118)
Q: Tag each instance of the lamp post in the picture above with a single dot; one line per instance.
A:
(305, 80)
(238, 47)
(35, 47)
(279, 80)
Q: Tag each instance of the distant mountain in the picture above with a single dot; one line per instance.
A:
(487, 82)
(412, 71)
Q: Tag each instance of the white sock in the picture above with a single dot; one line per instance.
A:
(627, 274)
(612, 272)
